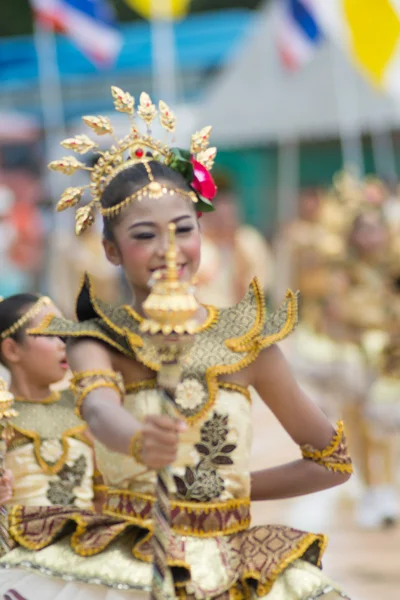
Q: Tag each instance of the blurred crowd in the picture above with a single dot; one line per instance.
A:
(342, 252)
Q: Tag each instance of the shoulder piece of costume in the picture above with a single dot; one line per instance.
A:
(45, 424)
(228, 341)
(96, 319)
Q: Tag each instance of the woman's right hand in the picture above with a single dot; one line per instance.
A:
(6, 486)
(160, 438)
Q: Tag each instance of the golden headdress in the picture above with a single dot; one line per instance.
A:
(34, 310)
(133, 149)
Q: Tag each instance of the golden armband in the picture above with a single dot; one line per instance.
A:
(85, 382)
(334, 457)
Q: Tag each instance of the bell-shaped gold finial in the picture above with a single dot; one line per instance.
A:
(171, 306)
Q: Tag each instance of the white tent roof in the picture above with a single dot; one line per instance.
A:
(255, 101)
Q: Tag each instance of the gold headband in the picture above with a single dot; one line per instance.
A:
(135, 148)
(30, 314)
(153, 189)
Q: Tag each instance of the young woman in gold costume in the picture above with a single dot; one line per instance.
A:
(308, 249)
(49, 460)
(362, 318)
(368, 310)
(212, 552)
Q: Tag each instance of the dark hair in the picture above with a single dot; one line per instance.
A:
(132, 180)
(11, 309)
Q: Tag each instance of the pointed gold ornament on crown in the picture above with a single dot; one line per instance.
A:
(136, 147)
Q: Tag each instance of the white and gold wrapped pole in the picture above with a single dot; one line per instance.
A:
(170, 309)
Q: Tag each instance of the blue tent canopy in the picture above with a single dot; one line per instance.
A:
(203, 42)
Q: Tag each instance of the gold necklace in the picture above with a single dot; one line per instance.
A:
(51, 399)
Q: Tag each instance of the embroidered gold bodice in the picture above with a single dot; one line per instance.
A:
(49, 454)
(228, 341)
(214, 454)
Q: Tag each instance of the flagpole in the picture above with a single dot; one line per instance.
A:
(347, 112)
(50, 89)
(52, 107)
(383, 149)
(163, 53)
(287, 210)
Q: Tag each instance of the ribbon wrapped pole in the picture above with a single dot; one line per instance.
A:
(170, 310)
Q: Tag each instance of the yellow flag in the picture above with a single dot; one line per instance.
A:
(375, 35)
(160, 9)
(369, 32)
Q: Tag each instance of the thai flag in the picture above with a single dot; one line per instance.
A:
(90, 25)
(299, 32)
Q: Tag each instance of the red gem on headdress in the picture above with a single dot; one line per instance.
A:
(139, 153)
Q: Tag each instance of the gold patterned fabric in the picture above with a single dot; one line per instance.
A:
(213, 455)
(254, 557)
(213, 551)
(214, 532)
(49, 455)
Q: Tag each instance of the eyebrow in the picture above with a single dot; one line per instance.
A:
(152, 224)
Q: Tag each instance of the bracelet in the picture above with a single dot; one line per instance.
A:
(87, 381)
(136, 447)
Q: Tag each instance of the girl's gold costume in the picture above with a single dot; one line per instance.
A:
(213, 551)
(49, 454)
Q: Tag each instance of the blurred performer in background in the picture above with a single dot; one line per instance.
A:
(310, 247)
(49, 460)
(232, 252)
(71, 258)
(363, 314)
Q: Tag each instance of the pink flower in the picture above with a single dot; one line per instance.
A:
(203, 182)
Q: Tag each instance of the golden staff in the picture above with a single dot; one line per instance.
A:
(7, 433)
(170, 308)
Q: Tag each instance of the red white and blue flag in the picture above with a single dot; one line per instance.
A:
(90, 24)
(299, 32)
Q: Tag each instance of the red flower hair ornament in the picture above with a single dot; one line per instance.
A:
(198, 177)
